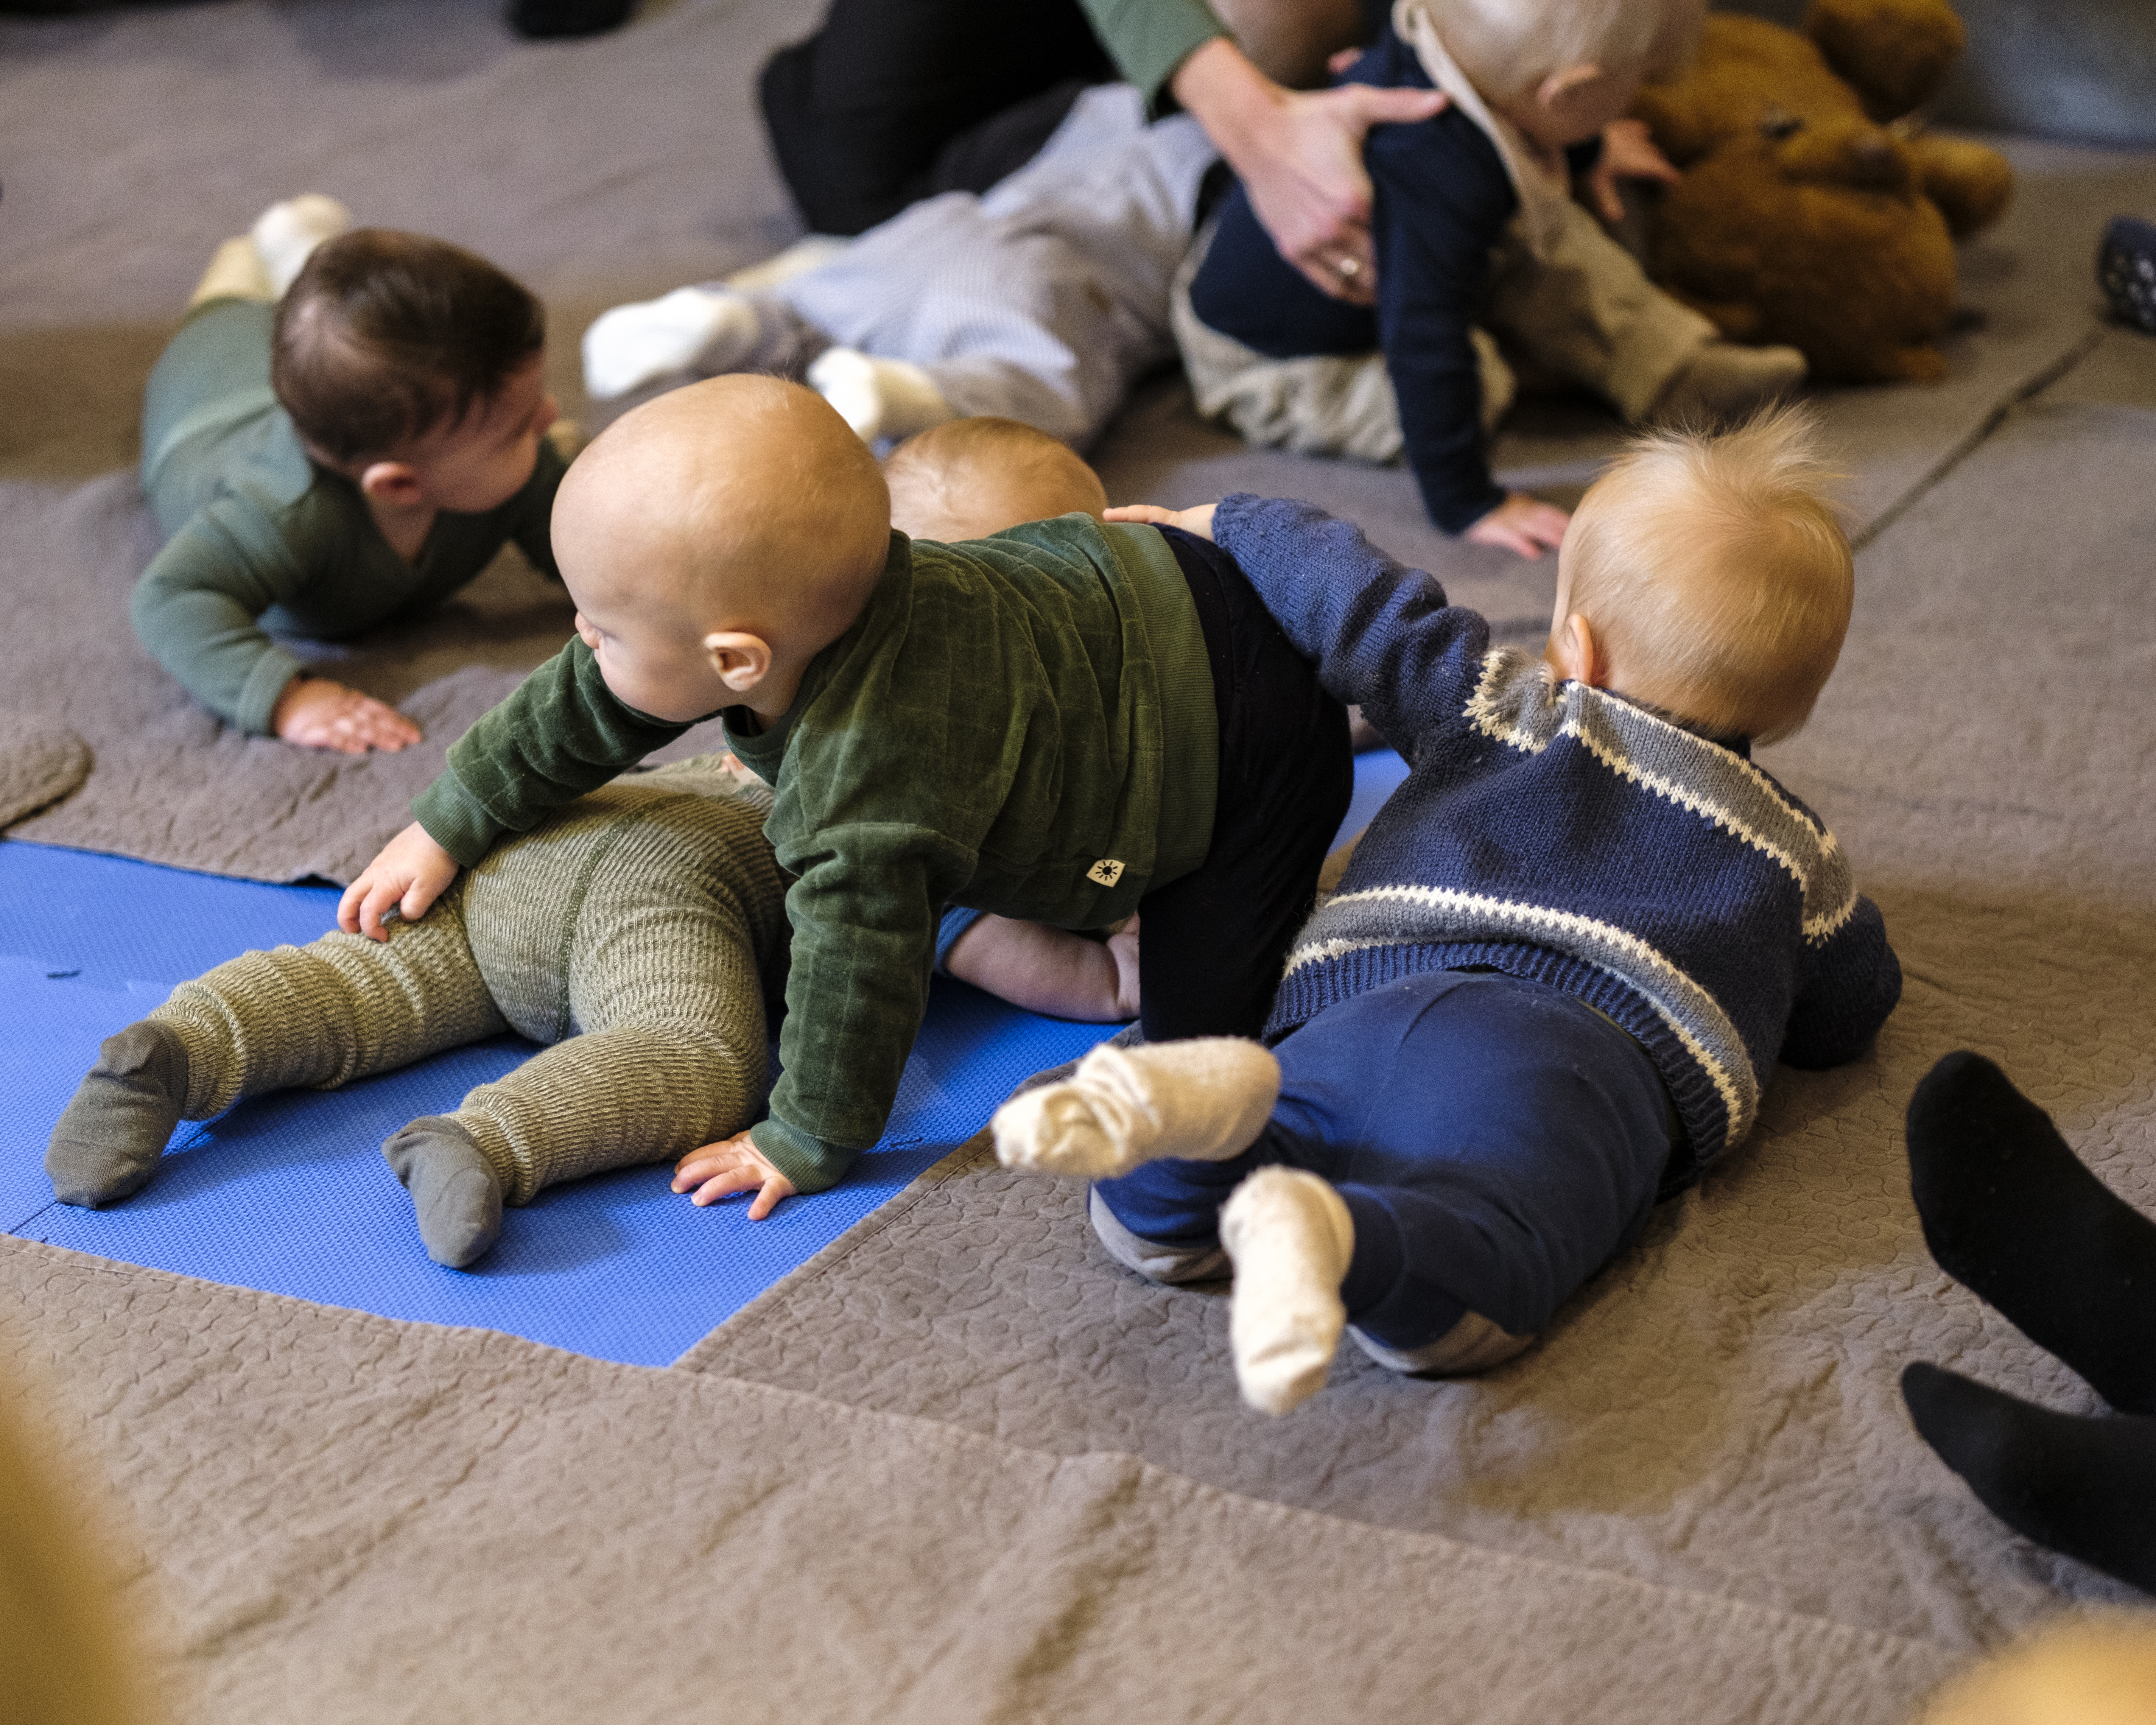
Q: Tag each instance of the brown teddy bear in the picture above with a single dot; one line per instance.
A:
(1803, 217)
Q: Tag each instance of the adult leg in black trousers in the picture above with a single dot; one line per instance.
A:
(2009, 1212)
(894, 100)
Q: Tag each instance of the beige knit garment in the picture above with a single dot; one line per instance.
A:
(639, 931)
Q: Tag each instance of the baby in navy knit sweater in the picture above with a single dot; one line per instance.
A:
(1564, 960)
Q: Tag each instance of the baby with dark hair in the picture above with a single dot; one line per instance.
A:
(346, 428)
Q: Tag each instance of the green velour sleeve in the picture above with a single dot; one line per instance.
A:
(560, 733)
(864, 909)
(1148, 39)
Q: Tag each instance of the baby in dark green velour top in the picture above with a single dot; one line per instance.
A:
(346, 428)
(1066, 723)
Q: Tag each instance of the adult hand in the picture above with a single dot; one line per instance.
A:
(1522, 523)
(1198, 521)
(409, 875)
(318, 714)
(1299, 154)
(732, 1165)
(1628, 153)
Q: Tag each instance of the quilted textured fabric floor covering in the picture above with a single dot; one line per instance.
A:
(1719, 1412)
(497, 1530)
(960, 1467)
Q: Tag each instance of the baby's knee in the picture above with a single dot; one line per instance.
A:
(1472, 1345)
(1172, 1262)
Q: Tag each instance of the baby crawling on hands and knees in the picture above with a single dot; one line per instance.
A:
(344, 431)
(1065, 723)
(1564, 960)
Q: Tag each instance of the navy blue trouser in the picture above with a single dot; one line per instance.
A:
(1497, 1143)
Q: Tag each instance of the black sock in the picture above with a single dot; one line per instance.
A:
(107, 1143)
(2083, 1486)
(2011, 1214)
(456, 1199)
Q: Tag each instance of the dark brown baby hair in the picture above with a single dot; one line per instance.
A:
(385, 335)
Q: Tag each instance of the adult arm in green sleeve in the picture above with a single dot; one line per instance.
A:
(195, 609)
(561, 732)
(863, 911)
(1148, 39)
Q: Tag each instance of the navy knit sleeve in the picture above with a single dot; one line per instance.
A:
(1442, 200)
(1381, 633)
(1855, 982)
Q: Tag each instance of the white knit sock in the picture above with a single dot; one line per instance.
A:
(710, 329)
(286, 234)
(234, 273)
(1291, 1238)
(878, 398)
(1207, 1099)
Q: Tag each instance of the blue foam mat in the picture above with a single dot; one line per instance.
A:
(290, 1194)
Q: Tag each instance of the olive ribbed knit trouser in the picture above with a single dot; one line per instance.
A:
(629, 930)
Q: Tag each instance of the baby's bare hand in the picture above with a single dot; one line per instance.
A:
(732, 1165)
(1628, 153)
(411, 873)
(316, 713)
(1522, 523)
(1198, 521)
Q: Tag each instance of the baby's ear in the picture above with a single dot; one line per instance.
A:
(1560, 91)
(742, 661)
(392, 483)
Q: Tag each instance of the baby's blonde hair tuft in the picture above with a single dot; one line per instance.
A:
(1713, 568)
(1508, 47)
(2099, 1669)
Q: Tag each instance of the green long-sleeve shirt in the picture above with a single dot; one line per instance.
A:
(260, 538)
(1148, 39)
(1024, 723)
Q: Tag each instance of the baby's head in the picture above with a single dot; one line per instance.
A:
(414, 368)
(2099, 1669)
(718, 538)
(1708, 575)
(967, 479)
(1563, 70)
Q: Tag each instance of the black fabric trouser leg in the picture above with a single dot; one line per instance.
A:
(1212, 944)
(894, 100)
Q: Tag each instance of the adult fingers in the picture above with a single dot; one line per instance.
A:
(1379, 105)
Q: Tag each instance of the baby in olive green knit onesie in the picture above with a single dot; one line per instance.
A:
(637, 931)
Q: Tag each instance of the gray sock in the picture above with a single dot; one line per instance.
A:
(454, 1193)
(107, 1143)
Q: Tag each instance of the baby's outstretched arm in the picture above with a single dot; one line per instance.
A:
(409, 875)
(732, 1165)
(1051, 970)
